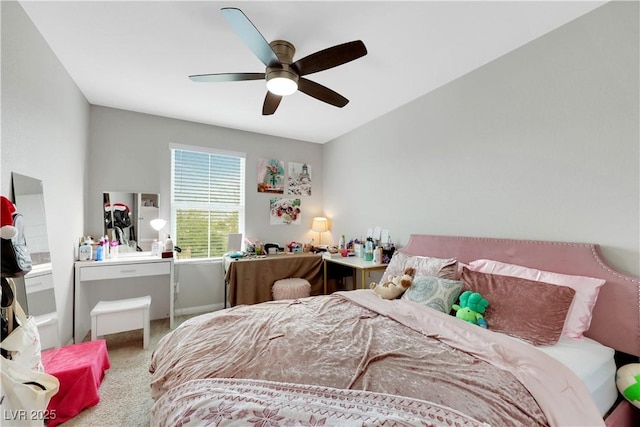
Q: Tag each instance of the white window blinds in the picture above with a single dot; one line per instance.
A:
(207, 200)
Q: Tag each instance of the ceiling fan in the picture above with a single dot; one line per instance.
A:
(284, 76)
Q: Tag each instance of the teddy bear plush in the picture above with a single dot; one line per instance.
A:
(471, 308)
(395, 287)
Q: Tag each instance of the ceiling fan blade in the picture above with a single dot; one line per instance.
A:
(226, 77)
(271, 103)
(330, 57)
(250, 35)
(321, 93)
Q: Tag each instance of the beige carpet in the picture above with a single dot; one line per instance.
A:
(125, 397)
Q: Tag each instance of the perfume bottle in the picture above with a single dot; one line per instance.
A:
(368, 249)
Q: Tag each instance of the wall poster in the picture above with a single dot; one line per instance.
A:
(285, 211)
(271, 178)
(299, 179)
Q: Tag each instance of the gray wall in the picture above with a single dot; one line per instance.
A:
(130, 153)
(45, 126)
(542, 143)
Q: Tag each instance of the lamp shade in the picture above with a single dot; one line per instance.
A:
(157, 224)
(320, 224)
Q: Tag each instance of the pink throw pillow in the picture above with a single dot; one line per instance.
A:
(527, 309)
(587, 289)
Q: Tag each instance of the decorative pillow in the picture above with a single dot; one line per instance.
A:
(587, 289)
(435, 292)
(423, 266)
(628, 383)
(526, 309)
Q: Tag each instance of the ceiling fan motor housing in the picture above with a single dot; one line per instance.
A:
(284, 50)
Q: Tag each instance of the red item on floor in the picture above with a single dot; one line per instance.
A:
(80, 370)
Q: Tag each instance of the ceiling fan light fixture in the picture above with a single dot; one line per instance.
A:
(282, 82)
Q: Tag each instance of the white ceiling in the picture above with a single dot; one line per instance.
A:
(137, 55)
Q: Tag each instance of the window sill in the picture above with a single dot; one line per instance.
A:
(185, 261)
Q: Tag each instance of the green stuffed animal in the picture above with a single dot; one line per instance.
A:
(471, 308)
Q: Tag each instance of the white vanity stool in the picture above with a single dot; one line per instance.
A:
(110, 317)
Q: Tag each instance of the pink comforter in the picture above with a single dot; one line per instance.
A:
(355, 340)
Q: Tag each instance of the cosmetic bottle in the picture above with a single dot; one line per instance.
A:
(100, 250)
(107, 247)
(168, 244)
(342, 244)
(377, 255)
(368, 249)
(114, 249)
(85, 252)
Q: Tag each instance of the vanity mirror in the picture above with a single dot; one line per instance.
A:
(127, 218)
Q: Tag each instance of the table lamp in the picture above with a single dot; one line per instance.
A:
(158, 224)
(320, 225)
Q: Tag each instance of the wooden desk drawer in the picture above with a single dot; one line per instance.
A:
(124, 270)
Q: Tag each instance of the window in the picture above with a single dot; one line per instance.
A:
(207, 199)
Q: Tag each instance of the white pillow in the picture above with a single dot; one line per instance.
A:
(423, 266)
(587, 289)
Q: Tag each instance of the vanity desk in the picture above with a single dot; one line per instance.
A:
(128, 276)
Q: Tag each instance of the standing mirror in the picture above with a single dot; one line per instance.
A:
(127, 218)
(36, 290)
(29, 201)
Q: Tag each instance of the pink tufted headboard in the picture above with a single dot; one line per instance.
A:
(616, 316)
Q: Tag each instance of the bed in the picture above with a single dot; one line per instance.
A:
(352, 358)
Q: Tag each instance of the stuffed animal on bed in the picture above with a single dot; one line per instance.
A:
(471, 308)
(395, 286)
(628, 383)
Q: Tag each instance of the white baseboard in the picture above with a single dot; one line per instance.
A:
(198, 310)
